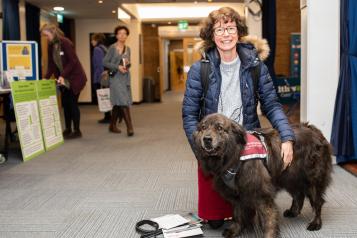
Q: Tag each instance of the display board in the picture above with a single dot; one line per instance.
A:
(24, 94)
(288, 89)
(19, 60)
(49, 114)
(37, 116)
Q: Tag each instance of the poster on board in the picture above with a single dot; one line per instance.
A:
(49, 114)
(24, 94)
(19, 60)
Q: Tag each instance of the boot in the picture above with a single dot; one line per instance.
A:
(106, 118)
(113, 123)
(75, 134)
(127, 119)
(120, 114)
(66, 133)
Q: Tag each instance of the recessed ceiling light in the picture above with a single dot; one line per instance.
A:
(58, 8)
(195, 2)
(210, 0)
(113, 11)
(100, 1)
(169, 23)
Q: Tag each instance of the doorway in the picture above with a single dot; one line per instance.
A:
(178, 57)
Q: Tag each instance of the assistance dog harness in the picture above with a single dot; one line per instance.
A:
(255, 148)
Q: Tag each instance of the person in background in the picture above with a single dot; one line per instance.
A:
(117, 60)
(99, 73)
(64, 65)
(232, 56)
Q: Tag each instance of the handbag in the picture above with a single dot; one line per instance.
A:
(103, 96)
(104, 79)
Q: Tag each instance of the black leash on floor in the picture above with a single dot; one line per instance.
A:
(151, 229)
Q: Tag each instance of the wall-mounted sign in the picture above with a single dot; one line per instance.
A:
(182, 25)
(59, 18)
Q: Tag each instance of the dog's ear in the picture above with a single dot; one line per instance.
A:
(239, 133)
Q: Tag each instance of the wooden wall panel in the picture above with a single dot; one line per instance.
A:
(151, 54)
(288, 21)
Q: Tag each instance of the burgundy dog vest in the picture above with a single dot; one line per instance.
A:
(254, 149)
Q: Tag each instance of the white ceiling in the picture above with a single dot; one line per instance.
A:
(92, 9)
(156, 12)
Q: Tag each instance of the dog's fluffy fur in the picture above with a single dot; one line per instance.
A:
(218, 143)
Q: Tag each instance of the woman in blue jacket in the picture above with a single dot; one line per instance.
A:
(99, 51)
(232, 55)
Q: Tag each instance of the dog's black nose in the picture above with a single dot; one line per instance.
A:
(207, 140)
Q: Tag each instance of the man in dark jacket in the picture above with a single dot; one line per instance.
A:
(232, 55)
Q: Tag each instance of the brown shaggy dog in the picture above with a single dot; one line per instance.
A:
(218, 143)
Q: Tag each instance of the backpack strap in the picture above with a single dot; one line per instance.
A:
(205, 72)
(255, 73)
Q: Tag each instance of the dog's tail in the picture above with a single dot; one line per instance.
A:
(327, 152)
(320, 135)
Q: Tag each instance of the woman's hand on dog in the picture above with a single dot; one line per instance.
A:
(287, 153)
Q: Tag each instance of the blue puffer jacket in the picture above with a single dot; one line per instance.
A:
(268, 98)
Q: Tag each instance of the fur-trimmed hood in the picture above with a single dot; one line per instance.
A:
(261, 46)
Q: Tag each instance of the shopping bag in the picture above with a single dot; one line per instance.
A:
(104, 103)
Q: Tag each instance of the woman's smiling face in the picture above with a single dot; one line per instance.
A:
(225, 35)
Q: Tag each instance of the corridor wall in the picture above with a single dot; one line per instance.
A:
(320, 61)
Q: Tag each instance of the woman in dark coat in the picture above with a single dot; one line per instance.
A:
(230, 92)
(64, 65)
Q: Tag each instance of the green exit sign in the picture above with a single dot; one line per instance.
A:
(183, 25)
(59, 18)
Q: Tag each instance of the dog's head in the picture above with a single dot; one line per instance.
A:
(217, 136)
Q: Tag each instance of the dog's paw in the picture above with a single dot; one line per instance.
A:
(232, 231)
(289, 213)
(314, 226)
(228, 233)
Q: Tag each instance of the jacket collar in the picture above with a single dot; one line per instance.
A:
(246, 53)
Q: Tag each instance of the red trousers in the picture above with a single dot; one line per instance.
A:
(211, 206)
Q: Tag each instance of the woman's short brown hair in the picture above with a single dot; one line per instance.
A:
(226, 14)
(98, 37)
(118, 28)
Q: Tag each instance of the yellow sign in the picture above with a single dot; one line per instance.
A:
(19, 59)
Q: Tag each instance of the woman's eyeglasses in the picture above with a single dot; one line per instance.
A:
(219, 31)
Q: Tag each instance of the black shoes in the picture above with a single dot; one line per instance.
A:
(66, 133)
(74, 135)
(104, 120)
(215, 224)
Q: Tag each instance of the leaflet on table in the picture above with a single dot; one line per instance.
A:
(49, 114)
(27, 117)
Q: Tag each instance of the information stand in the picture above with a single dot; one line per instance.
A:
(49, 114)
(24, 94)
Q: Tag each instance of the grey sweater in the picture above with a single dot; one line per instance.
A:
(230, 101)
